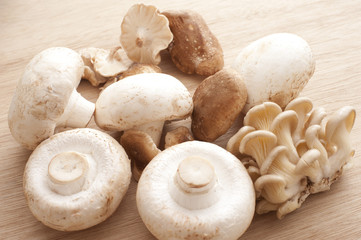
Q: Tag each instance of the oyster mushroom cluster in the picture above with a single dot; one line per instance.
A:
(293, 153)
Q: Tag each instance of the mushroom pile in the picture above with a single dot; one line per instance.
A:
(293, 153)
(192, 189)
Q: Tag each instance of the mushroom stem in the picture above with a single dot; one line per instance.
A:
(153, 129)
(77, 113)
(67, 172)
(194, 184)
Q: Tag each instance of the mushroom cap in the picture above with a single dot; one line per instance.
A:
(344, 117)
(106, 181)
(261, 116)
(43, 93)
(218, 100)
(140, 99)
(227, 218)
(235, 141)
(300, 104)
(275, 68)
(145, 32)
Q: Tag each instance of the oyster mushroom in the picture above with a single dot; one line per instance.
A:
(195, 190)
(144, 33)
(218, 100)
(258, 144)
(286, 172)
(143, 102)
(261, 116)
(283, 126)
(76, 179)
(302, 106)
(140, 148)
(46, 98)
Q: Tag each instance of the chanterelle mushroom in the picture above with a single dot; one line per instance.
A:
(143, 102)
(195, 190)
(46, 97)
(76, 179)
(145, 32)
(295, 165)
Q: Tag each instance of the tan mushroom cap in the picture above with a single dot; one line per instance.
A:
(46, 97)
(195, 190)
(283, 126)
(302, 106)
(176, 136)
(261, 116)
(218, 100)
(145, 32)
(76, 179)
(140, 148)
(258, 144)
(235, 141)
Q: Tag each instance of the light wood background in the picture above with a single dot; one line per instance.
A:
(332, 28)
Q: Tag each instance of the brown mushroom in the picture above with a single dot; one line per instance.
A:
(218, 100)
(176, 136)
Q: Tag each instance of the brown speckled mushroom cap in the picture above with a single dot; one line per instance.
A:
(195, 190)
(76, 179)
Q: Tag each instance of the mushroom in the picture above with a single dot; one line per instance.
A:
(195, 190)
(194, 49)
(218, 100)
(46, 98)
(177, 136)
(135, 68)
(145, 32)
(261, 116)
(258, 144)
(302, 106)
(283, 126)
(235, 141)
(143, 102)
(275, 68)
(76, 179)
(140, 148)
(101, 64)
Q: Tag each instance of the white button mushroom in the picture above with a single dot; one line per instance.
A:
(143, 102)
(76, 179)
(46, 97)
(275, 68)
(195, 190)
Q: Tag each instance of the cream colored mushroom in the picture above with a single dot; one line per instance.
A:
(283, 126)
(143, 102)
(261, 116)
(144, 33)
(235, 141)
(195, 190)
(46, 97)
(302, 106)
(258, 144)
(76, 179)
(140, 148)
(101, 64)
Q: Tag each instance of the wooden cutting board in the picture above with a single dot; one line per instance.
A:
(332, 28)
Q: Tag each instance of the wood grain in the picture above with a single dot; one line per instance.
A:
(332, 28)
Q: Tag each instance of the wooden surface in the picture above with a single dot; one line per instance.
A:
(332, 28)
